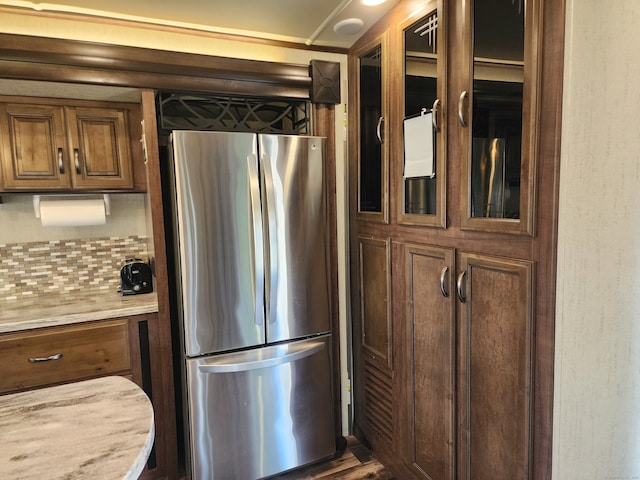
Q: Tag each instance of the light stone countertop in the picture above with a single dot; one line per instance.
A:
(56, 309)
(95, 429)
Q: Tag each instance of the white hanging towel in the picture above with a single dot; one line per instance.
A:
(418, 147)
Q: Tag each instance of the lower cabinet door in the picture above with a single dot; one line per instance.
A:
(495, 368)
(430, 330)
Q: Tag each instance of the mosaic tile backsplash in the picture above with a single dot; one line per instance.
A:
(64, 266)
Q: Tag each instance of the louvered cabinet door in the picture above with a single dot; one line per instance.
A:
(376, 338)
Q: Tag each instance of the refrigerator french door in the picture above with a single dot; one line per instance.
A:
(253, 301)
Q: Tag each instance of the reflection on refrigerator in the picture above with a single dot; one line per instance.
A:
(249, 217)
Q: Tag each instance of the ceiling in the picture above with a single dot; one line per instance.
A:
(309, 22)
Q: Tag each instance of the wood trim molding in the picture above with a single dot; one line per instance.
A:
(160, 340)
(324, 125)
(26, 57)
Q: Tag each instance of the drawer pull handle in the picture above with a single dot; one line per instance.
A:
(57, 356)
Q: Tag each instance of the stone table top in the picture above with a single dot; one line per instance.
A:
(57, 309)
(95, 429)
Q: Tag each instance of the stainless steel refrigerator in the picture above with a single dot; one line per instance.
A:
(253, 302)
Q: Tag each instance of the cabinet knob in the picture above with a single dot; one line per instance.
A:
(461, 101)
(459, 283)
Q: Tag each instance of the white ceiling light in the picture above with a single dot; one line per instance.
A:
(348, 26)
(372, 3)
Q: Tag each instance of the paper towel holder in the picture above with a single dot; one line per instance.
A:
(36, 203)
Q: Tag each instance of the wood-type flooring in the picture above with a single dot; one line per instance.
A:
(356, 463)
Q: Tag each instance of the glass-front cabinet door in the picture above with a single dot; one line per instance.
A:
(423, 174)
(496, 115)
(372, 172)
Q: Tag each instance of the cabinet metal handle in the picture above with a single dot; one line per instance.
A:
(57, 356)
(461, 100)
(461, 297)
(76, 160)
(60, 162)
(379, 130)
(443, 288)
(434, 115)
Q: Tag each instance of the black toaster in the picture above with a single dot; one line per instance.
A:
(135, 277)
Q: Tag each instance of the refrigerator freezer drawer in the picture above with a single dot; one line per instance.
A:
(257, 413)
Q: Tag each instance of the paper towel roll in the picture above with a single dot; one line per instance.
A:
(72, 213)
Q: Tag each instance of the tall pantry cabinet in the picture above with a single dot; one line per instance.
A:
(453, 266)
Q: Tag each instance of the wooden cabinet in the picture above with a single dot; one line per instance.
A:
(33, 145)
(429, 383)
(374, 336)
(99, 147)
(497, 86)
(370, 68)
(75, 146)
(63, 354)
(495, 372)
(466, 382)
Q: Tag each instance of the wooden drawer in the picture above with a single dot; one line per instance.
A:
(49, 356)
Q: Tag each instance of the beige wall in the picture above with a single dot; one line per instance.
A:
(18, 223)
(597, 382)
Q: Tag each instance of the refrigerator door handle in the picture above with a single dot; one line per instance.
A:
(258, 239)
(261, 358)
(272, 221)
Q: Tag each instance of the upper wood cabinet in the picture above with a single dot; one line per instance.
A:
(33, 147)
(99, 148)
(71, 147)
(371, 71)
(497, 115)
(422, 172)
(473, 68)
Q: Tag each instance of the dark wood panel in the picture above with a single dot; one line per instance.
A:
(375, 298)
(324, 126)
(160, 341)
(496, 333)
(431, 323)
(40, 58)
(544, 248)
